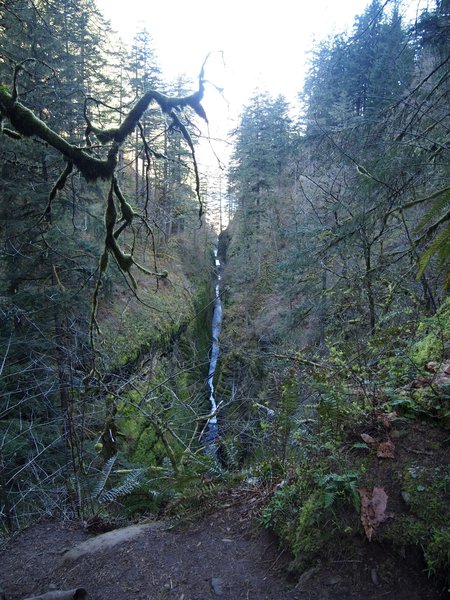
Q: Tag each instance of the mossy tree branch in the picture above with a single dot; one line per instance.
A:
(25, 123)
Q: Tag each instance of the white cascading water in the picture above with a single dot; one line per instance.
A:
(212, 430)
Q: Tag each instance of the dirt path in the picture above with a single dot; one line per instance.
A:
(223, 556)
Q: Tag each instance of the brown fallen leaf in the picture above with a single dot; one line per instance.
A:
(421, 382)
(373, 509)
(368, 438)
(386, 450)
(387, 419)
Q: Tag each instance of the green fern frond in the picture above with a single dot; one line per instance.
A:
(440, 247)
(104, 475)
(328, 499)
(195, 500)
(128, 485)
(438, 205)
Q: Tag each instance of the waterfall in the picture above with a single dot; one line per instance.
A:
(212, 431)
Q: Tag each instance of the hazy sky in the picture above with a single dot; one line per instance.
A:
(265, 44)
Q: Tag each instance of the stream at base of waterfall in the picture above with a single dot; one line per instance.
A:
(212, 430)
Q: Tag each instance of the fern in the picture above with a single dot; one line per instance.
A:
(195, 501)
(104, 476)
(131, 482)
(335, 485)
(437, 206)
(328, 499)
(332, 411)
(439, 247)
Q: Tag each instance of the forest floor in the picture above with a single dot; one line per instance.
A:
(223, 555)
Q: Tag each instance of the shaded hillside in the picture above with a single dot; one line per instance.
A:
(333, 378)
(105, 271)
(334, 372)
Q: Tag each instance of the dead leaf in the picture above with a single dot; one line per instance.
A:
(368, 438)
(373, 509)
(387, 419)
(421, 382)
(386, 450)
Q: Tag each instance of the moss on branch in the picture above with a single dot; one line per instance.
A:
(167, 105)
(27, 124)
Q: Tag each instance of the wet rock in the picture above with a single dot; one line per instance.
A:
(406, 498)
(216, 584)
(306, 576)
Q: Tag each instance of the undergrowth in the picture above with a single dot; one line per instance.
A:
(316, 508)
(390, 391)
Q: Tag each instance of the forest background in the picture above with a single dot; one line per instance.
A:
(334, 287)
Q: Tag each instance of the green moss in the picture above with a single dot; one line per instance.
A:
(311, 534)
(434, 337)
(318, 509)
(437, 554)
(426, 523)
(403, 531)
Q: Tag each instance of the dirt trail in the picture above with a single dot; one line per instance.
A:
(222, 556)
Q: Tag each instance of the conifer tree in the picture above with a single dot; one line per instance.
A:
(62, 129)
(54, 52)
(260, 160)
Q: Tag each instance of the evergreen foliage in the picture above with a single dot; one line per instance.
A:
(64, 81)
(337, 274)
(336, 314)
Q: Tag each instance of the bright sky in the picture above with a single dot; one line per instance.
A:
(265, 43)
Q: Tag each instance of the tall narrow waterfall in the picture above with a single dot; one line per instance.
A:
(212, 428)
